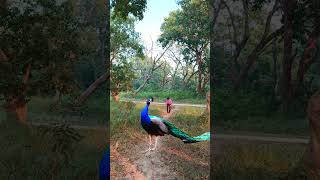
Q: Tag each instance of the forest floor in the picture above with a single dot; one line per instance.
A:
(172, 159)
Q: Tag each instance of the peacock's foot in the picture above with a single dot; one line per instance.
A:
(148, 150)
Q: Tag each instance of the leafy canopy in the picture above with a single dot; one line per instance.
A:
(40, 34)
(188, 26)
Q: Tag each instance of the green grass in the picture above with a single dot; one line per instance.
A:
(175, 95)
(249, 111)
(126, 115)
(31, 154)
(260, 162)
(40, 109)
(191, 120)
(50, 152)
(127, 133)
(265, 125)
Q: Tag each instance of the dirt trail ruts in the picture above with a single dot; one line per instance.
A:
(130, 169)
(150, 165)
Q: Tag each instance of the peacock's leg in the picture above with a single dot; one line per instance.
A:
(150, 143)
(155, 143)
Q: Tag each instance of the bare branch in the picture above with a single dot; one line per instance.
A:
(269, 18)
(3, 56)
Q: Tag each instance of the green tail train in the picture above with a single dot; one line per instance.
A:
(186, 138)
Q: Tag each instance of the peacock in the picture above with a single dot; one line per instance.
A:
(156, 126)
(104, 167)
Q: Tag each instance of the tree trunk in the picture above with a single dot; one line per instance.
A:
(102, 37)
(286, 86)
(84, 96)
(312, 157)
(142, 85)
(199, 61)
(254, 54)
(309, 54)
(16, 103)
(3, 5)
(275, 77)
(174, 75)
(16, 109)
(57, 97)
(208, 106)
(115, 96)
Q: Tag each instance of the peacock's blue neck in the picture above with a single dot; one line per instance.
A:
(145, 119)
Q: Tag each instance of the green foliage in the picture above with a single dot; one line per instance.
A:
(188, 29)
(160, 96)
(125, 47)
(124, 39)
(188, 26)
(42, 34)
(26, 155)
(190, 120)
(123, 8)
(122, 76)
(252, 111)
(63, 139)
(125, 116)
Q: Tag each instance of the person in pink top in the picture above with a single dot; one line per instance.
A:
(168, 103)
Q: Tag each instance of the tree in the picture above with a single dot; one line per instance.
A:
(189, 27)
(125, 47)
(124, 8)
(312, 157)
(240, 72)
(297, 34)
(153, 64)
(124, 14)
(121, 78)
(307, 35)
(286, 86)
(38, 47)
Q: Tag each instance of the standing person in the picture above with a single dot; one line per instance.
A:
(168, 103)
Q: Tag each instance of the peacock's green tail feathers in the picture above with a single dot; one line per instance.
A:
(174, 131)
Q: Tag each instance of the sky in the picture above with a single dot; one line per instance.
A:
(149, 27)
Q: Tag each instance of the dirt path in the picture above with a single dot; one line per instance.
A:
(159, 164)
(152, 163)
(277, 138)
(138, 165)
(130, 170)
(158, 103)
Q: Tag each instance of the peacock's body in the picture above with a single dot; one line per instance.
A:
(104, 167)
(156, 126)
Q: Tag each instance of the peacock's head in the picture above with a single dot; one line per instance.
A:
(148, 102)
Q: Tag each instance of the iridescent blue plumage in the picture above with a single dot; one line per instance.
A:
(104, 167)
(159, 127)
(145, 119)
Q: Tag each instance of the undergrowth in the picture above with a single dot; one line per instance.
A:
(261, 162)
(55, 152)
